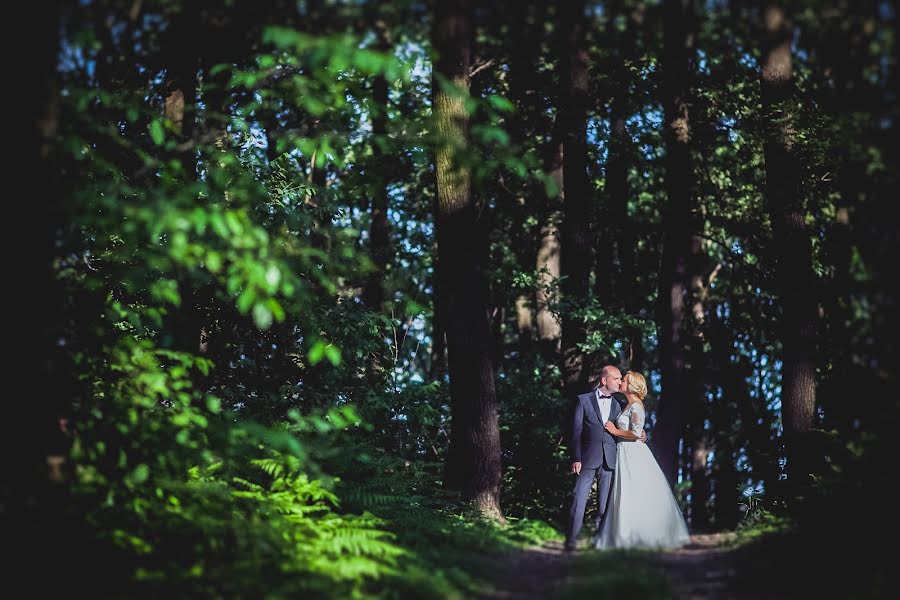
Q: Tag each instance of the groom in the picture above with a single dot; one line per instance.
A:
(593, 448)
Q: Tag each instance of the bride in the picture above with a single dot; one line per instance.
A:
(643, 512)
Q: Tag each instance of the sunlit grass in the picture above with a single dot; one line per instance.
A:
(613, 574)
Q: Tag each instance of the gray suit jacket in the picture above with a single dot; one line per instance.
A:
(591, 444)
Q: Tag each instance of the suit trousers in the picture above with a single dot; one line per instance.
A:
(583, 483)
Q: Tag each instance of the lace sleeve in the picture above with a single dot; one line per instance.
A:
(637, 419)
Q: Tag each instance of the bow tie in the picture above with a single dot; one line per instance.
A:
(602, 395)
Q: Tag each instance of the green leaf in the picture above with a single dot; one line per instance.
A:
(262, 316)
(213, 404)
(282, 37)
(140, 474)
(501, 103)
(317, 352)
(333, 353)
(551, 188)
(276, 309)
(369, 62)
(246, 300)
(156, 132)
(213, 261)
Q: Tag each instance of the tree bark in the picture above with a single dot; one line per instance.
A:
(34, 493)
(473, 462)
(549, 326)
(180, 109)
(379, 232)
(698, 409)
(678, 50)
(791, 243)
(621, 158)
(548, 265)
(437, 365)
(576, 243)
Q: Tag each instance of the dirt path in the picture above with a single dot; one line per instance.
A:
(706, 569)
(535, 573)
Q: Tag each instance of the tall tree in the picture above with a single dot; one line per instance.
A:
(35, 498)
(790, 238)
(473, 461)
(576, 243)
(678, 52)
(379, 231)
(530, 122)
(621, 257)
(697, 437)
(181, 58)
(547, 208)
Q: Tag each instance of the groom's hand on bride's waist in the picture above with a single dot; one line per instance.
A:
(576, 468)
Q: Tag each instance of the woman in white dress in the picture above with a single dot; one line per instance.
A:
(643, 512)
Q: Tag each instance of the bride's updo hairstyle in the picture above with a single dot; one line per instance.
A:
(636, 384)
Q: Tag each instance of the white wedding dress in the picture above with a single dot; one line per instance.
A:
(642, 511)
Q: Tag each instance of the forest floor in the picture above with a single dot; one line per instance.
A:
(710, 567)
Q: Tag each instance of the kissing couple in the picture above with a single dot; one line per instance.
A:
(635, 506)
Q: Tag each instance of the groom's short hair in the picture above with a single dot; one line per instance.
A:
(604, 372)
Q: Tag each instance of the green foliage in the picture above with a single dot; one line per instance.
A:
(443, 535)
(537, 480)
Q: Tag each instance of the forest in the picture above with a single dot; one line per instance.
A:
(305, 291)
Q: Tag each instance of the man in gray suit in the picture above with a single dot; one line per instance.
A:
(593, 448)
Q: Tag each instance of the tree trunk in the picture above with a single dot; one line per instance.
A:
(698, 403)
(548, 265)
(576, 244)
(621, 157)
(791, 243)
(523, 124)
(473, 462)
(548, 257)
(34, 492)
(180, 109)
(437, 365)
(379, 232)
(678, 50)
(623, 262)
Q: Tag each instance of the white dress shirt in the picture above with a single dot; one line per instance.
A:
(604, 404)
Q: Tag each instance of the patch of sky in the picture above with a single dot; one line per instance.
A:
(729, 125)
(702, 61)
(597, 136)
(753, 488)
(748, 60)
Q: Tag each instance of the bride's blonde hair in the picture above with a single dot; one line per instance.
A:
(636, 384)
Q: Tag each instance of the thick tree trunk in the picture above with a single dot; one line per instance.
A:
(621, 158)
(36, 508)
(678, 51)
(791, 243)
(473, 462)
(576, 244)
(617, 167)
